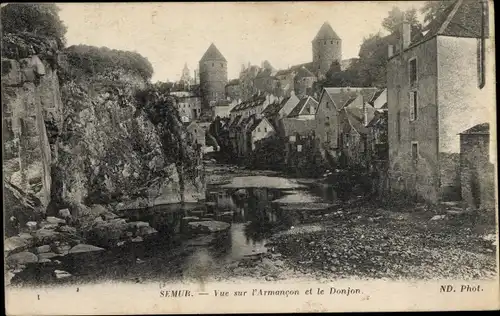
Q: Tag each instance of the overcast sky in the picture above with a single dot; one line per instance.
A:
(171, 34)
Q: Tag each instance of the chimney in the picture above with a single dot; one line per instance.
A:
(405, 34)
(390, 52)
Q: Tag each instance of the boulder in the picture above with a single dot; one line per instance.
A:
(208, 227)
(55, 220)
(31, 225)
(137, 239)
(62, 249)
(48, 226)
(60, 274)
(107, 233)
(46, 236)
(146, 230)
(67, 229)
(42, 249)
(44, 260)
(16, 244)
(64, 213)
(84, 248)
(47, 255)
(22, 258)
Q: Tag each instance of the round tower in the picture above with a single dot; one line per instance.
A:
(326, 48)
(213, 76)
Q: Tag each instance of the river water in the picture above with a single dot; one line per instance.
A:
(256, 206)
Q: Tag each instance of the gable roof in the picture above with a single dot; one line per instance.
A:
(483, 128)
(256, 100)
(273, 108)
(212, 53)
(340, 96)
(326, 32)
(375, 96)
(460, 19)
(304, 106)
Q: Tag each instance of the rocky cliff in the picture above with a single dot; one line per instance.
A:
(73, 138)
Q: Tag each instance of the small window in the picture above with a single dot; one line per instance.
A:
(327, 105)
(413, 105)
(346, 140)
(331, 42)
(222, 65)
(299, 148)
(413, 71)
(414, 151)
(213, 64)
(398, 125)
(265, 129)
(327, 121)
(325, 43)
(258, 129)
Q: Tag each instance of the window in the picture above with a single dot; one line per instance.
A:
(413, 71)
(327, 105)
(265, 129)
(258, 129)
(346, 140)
(222, 65)
(325, 43)
(414, 151)
(292, 138)
(413, 105)
(299, 148)
(398, 125)
(327, 121)
(213, 64)
(331, 42)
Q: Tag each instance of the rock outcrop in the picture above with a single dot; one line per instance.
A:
(100, 147)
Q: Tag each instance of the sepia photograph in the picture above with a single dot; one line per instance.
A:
(231, 157)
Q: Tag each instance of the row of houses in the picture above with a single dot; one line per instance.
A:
(341, 122)
(427, 131)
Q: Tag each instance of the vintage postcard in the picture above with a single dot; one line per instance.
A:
(241, 157)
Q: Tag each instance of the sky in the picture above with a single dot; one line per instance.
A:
(172, 34)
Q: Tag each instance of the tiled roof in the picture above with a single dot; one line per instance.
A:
(355, 116)
(303, 72)
(235, 122)
(212, 53)
(460, 19)
(273, 108)
(340, 96)
(483, 128)
(303, 107)
(326, 32)
(254, 125)
(256, 100)
(376, 95)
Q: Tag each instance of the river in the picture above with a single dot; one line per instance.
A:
(257, 204)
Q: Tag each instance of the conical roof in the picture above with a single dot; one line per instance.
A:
(212, 53)
(326, 32)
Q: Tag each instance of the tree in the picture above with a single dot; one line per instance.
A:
(432, 9)
(37, 18)
(392, 22)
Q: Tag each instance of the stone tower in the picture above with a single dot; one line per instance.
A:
(213, 77)
(326, 48)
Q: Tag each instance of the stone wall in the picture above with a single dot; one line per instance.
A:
(477, 173)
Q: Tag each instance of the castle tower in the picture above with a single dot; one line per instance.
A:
(213, 76)
(326, 48)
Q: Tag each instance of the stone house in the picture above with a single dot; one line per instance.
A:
(477, 173)
(259, 129)
(438, 85)
(233, 90)
(303, 82)
(196, 132)
(281, 108)
(188, 105)
(331, 120)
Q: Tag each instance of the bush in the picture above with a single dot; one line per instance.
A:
(37, 18)
(91, 60)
